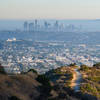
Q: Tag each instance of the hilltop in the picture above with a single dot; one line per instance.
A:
(30, 86)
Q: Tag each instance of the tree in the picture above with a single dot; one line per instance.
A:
(44, 80)
(33, 70)
(14, 98)
(97, 65)
(84, 68)
(72, 64)
(2, 70)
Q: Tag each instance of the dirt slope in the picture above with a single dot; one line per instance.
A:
(24, 87)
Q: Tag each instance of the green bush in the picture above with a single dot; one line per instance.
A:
(44, 80)
(70, 76)
(14, 98)
(32, 70)
(2, 70)
(89, 88)
(72, 64)
(84, 68)
(97, 65)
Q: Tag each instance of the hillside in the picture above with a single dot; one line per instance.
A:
(64, 81)
(29, 86)
(24, 87)
(91, 80)
(54, 85)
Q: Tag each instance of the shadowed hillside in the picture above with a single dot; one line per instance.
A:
(54, 85)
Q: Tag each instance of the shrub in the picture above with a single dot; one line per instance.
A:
(97, 65)
(2, 70)
(72, 64)
(32, 70)
(14, 98)
(89, 88)
(44, 80)
(84, 68)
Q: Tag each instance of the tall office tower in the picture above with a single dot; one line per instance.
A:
(61, 27)
(31, 26)
(45, 24)
(25, 26)
(36, 24)
(71, 27)
(36, 21)
(56, 25)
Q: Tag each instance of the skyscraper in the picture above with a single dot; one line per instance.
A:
(45, 24)
(36, 25)
(26, 26)
(31, 26)
(56, 25)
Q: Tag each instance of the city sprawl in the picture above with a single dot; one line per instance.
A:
(19, 55)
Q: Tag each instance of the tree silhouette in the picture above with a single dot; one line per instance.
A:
(2, 71)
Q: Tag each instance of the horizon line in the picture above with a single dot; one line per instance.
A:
(49, 19)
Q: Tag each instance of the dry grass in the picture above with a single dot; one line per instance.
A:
(21, 86)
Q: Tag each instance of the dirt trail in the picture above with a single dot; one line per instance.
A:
(75, 83)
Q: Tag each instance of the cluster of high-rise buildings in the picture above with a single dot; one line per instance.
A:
(31, 26)
(47, 26)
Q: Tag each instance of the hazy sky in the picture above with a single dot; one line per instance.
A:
(52, 9)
